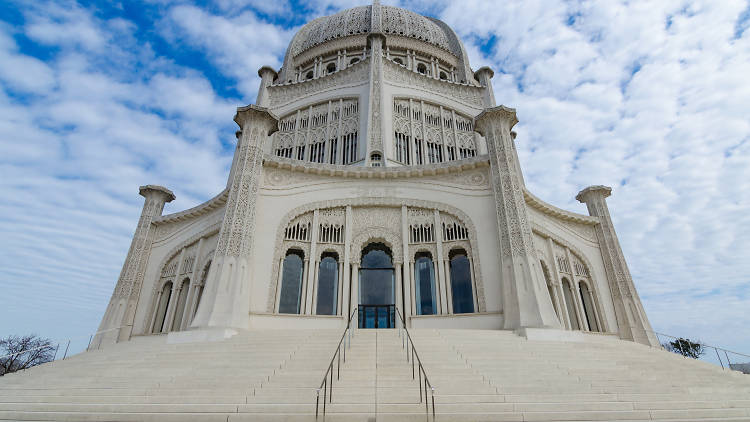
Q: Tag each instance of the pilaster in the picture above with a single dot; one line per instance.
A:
(117, 322)
(375, 109)
(526, 302)
(227, 291)
(632, 322)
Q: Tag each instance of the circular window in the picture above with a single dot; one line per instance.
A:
(331, 67)
(421, 68)
(309, 75)
(443, 76)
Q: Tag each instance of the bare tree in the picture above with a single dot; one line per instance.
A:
(685, 347)
(22, 352)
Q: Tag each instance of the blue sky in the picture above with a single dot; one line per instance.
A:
(650, 98)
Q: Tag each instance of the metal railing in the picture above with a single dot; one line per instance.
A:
(717, 350)
(325, 385)
(420, 371)
(57, 345)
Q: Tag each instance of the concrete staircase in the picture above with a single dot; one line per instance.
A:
(478, 376)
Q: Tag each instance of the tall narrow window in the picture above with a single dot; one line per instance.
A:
(588, 306)
(181, 301)
(570, 304)
(461, 286)
(424, 279)
(291, 283)
(161, 310)
(328, 277)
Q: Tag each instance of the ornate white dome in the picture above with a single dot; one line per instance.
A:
(387, 20)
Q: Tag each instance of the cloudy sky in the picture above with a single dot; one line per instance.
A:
(649, 97)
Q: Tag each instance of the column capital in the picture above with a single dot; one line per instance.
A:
(253, 113)
(500, 113)
(590, 192)
(148, 191)
(484, 72)
(267, 70)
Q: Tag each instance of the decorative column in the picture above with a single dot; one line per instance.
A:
(312, 271)
(120, 314)
(399, 285)
(556, 285)
(439, 267)
(156, 311)
(484, 76)
(407, 258)
(375, 109)
(174, 298)
(355, 287)
(449, 293)
(194, 282)
(267, 75)
(632, 322)
(346, 306)
(227, 290)
(526, 302)
(580, 313)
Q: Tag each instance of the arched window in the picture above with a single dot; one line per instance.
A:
(161, 310)
(421, 68)
(331, 67)
(461, 286)
(309, 75)
(398, 60)
(375, 159)
(376, 275)
(550, 288)
(328, 284)
(587, 299)
(424, 281)
(291, 282)
(199, 293)
(443, 76)
(181, 300)
(354, 60)
(570, 304)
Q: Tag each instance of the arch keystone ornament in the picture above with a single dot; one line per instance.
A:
(226, 302)
(632, 322)
(526, 303)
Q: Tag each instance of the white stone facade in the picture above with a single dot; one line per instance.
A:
(375, 132)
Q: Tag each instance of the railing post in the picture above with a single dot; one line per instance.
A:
(317, 402)
(330, 396)
(728, 361)
(91, 337)
(717, 355)
(325, 387)
(66, 350)
(433, 402)
(56, 347)
(419, 372)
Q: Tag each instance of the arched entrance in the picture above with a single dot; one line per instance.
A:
(377, 293)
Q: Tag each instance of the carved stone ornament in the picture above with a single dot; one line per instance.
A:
(390, 233)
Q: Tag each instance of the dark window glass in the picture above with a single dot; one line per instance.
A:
(588, 307)
(463, 296)
(291, 283)
(161, 314)
(376, 276)
(570, 304)
(424, 276)
(328, 275)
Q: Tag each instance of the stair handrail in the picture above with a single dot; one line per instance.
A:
(421, 372)
(325, 385)
(716, 349)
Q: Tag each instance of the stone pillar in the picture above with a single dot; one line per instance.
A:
(194, 283)
(312, 270)
(399, 286)
(583, 323)
(375, 109)
(267, 76)
(355, 287)
(440, 275)
(632, 322)
(346, 305)
(407, 258)
(117, 322)
(526, 303)
(449, 292)
(174, 298)
(484, 76)
(556, 286)
(226, 295)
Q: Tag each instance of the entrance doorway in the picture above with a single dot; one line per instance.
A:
(377, 297)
